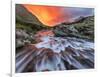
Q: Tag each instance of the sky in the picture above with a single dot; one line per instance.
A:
(53, 15)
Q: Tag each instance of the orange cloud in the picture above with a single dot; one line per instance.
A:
(48, 15)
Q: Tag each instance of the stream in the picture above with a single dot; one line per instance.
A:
(56, 53)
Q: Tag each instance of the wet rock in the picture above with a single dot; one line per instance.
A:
(56, 53)
(23, 38)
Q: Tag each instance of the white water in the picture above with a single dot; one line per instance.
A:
(43, 61)
(58, 44)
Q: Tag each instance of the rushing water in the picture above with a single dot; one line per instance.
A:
(58, 44)
(56, 53)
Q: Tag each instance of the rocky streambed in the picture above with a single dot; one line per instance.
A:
(55, 53)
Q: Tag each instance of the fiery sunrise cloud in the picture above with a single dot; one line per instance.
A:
(52, 15)
(48, 15)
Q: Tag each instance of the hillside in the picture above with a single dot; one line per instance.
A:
(83, 28)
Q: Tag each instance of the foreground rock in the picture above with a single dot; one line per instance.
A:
(56, 53)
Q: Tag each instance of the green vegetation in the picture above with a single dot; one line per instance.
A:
(81, 29)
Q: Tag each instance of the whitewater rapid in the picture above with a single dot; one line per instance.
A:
(58, 44)
(56, 53)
